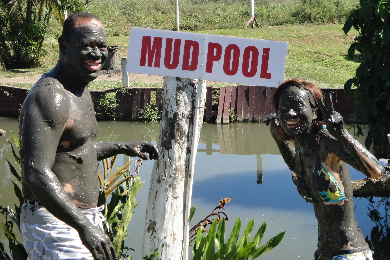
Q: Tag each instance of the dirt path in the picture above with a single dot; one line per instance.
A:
(133, 77)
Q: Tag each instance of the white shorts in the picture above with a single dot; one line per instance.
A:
(45, 237)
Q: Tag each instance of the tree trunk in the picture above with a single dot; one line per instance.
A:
(166, 212)
(369, 187)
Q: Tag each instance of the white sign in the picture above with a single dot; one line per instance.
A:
(206, 57)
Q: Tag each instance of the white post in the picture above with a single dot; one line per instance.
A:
(125, 75)
(167, 214)
(252, 7)
(190, 175)
(177, 28)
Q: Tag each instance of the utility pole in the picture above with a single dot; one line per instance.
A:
(177, 28)
(252, 7)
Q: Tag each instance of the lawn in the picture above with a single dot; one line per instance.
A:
(317, 46)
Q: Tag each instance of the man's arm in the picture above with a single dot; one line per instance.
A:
(135, 149)
(45, 116)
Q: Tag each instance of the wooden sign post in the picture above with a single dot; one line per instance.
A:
(180, 56)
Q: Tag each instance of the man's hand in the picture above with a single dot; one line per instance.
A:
(141, 149)
(97, 242)
(334, 121)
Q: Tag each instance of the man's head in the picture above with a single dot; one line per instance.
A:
(83, 46)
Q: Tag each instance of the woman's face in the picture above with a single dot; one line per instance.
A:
(294, 112)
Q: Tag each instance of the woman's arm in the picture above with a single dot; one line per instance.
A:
(286, 150)
(349, 150)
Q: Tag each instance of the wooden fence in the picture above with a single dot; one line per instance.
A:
(249, 103)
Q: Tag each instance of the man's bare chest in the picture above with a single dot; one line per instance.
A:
(81, 125)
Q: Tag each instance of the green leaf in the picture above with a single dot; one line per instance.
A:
(244, 252)
(115, 211)
(199, 251)
(348, 24)
(210, 252)
(245, 236)
(364, 110)
(359, 130)
(259, 235)
(14, 172)
(221, 233)
(192, 212)
(14, 215)
(127, 214)
(198, 237)
(271, 244)
(367, 13)
(17, 158)
(373, 109)
(3, 253)
(16, 139)
(351, 50)
(8, 232)
(348, 86)
(18, 193)
(361, 71)
(225, 248)
(135, 187)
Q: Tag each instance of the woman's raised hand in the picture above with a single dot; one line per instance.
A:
(333, 120)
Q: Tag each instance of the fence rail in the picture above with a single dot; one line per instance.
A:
(249, 103)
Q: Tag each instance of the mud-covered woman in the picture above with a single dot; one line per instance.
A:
(318, 159)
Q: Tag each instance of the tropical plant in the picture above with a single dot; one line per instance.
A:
(23, 25)
(119, 208)
(372, 79)
(213, 246)
(16, 248)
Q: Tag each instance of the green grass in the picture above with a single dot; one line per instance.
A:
(101, 85)
(317, 47)
(315, 52)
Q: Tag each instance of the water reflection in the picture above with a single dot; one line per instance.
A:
(231, 160)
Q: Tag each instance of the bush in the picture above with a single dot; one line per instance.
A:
(22, 34)
(372, 79)
(150, 113)
(214, 246)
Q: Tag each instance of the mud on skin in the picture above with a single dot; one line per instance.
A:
(57, 129)
(319, 163)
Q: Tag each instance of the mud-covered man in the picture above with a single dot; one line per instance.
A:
(59, 217)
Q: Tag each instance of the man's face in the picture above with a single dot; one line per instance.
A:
(86, 50)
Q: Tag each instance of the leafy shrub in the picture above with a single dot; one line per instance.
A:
(213, 245)
(372, 79)
(22, 34)
(23, 26)
(232, 116)
(107, 105)
(150, 113)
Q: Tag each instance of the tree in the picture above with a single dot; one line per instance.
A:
(372, 79)
(23, 26)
